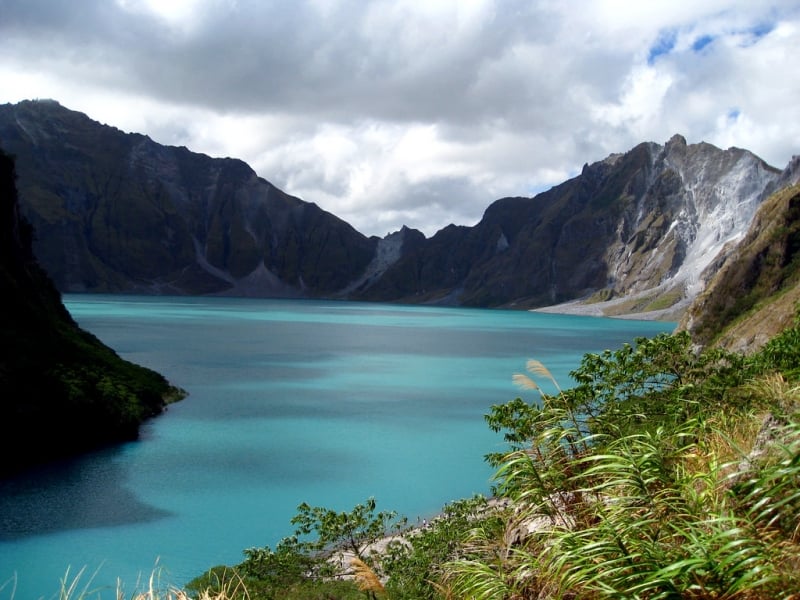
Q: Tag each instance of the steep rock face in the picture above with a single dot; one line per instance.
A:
(753, 292)
(388, 251)
(119, 212)
(716, 196)
(64, 392)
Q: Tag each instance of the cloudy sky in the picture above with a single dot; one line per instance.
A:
(415, 112)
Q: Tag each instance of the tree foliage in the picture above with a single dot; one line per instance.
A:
(352, 531)
(636, 485)
(306, 564)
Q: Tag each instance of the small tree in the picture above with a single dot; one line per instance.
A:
(319, 533)
(352, 531)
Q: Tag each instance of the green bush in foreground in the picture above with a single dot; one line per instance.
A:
(302, 565)
(638, 483)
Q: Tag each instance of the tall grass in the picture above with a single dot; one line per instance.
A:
(707, 507)
(80, 585)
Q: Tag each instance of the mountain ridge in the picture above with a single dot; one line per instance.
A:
(140, 217)
(634, 232)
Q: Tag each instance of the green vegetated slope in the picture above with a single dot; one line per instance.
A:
(63, 391)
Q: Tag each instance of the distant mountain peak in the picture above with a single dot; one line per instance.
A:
(676, 140)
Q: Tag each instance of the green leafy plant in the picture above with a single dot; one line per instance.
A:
(631, 484)
(781, 352)
(414, 563)
(310, 563)
(322, 529)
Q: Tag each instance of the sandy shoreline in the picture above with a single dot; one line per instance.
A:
(610, 309)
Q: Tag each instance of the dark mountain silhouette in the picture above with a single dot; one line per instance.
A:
(64, 392)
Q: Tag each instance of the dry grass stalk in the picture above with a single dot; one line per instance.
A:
(534, 367)
(524, 382)
(365, 577)
(443, 590)
(537, 368)
(230, 588)
(175, 594)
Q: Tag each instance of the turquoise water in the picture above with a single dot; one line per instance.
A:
(290, 401)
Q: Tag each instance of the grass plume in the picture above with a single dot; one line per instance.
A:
(366, 579)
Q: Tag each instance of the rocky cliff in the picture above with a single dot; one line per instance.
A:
(754, 290)
(637, 232)
(632, 233)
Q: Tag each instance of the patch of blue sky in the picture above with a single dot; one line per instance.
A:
(754, 34)
(536, 189)
(668, 39)
(663, 45)
(702, 42)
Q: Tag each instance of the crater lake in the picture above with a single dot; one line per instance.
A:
(290, 401)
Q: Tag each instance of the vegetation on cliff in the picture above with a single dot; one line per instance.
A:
(64, 391)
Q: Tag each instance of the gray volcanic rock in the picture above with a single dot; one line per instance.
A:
(644, 224)
(753, 291)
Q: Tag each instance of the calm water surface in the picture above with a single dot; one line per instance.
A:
(290, 401)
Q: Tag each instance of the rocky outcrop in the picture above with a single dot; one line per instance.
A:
(754, 290)
(642, 226)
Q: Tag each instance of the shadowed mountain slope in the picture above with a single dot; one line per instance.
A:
(116, 212)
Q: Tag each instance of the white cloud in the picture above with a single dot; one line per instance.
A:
(421, 113)
(175, 12)
(640, 103)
